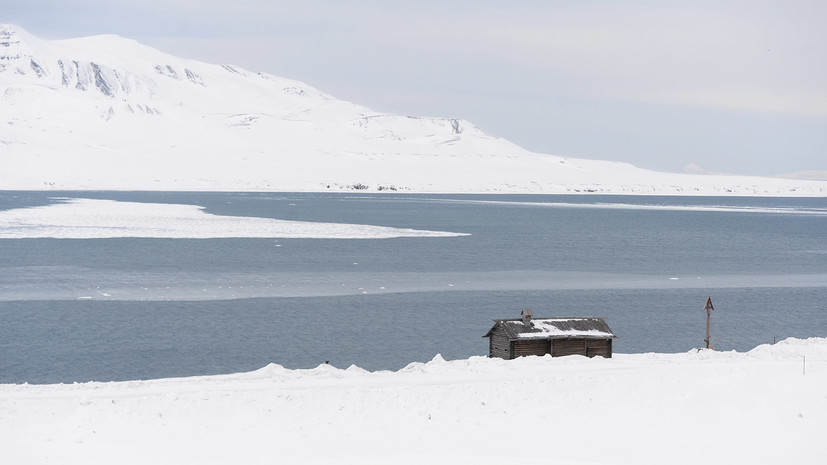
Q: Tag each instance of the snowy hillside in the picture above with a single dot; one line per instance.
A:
(109, 113)
(766, 406)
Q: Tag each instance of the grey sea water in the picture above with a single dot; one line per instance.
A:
(130, 308)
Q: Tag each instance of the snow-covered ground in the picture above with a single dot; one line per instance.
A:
(107, 113)
(766, 406)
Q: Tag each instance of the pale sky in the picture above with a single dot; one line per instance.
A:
(733, 86)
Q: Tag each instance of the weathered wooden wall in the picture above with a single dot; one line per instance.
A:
(498, 345)
(587, 347)
(530, 347)
(599, 347)
(562, 347)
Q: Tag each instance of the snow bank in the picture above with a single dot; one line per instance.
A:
(96, 219)
(696, 407)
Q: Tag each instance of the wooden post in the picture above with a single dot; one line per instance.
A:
(708, 307)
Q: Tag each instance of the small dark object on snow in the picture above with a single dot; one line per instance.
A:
(517, 337)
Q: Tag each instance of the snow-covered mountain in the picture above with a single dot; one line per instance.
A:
(105, 112)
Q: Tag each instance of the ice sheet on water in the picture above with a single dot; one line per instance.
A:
(100, 219)
(779, 210)
(71, 283)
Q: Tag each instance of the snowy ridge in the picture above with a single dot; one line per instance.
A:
(106, 112)
(760, 407)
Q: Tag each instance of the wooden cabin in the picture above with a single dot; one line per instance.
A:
(518, 337)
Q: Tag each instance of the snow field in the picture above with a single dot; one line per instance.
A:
(721, 407)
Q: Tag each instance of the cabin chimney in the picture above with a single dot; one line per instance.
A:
(526, 314)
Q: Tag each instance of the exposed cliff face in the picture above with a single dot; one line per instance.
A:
(12, 50)
(25, 60)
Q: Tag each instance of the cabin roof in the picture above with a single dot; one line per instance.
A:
(554, 328)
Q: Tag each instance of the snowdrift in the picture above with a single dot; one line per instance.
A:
(768, 405)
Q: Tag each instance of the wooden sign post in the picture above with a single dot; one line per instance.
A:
(708, 307)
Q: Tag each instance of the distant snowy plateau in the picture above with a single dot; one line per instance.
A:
(106, 113)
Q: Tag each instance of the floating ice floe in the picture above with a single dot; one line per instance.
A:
(100, 219)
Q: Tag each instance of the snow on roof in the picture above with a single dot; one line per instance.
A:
(554, 328)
